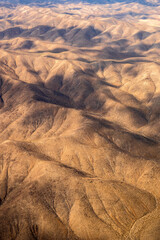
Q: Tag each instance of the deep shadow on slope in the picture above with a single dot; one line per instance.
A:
(77, 36)
(135, 145)
(1, 99)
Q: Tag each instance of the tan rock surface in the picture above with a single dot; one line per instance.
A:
(79, 122)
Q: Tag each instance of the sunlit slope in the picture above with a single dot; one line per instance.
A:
(79, 122)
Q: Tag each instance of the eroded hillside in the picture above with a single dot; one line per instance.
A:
(79, 122)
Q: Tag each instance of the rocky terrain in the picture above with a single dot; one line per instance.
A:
(80, 122)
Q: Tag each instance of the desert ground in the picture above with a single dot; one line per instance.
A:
(80, 122)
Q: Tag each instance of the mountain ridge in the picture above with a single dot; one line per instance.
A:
(79, 122)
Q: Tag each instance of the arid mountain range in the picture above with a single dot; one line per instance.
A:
(80, 122)
(50, 2)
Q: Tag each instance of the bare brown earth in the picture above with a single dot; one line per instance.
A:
(80, 122)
